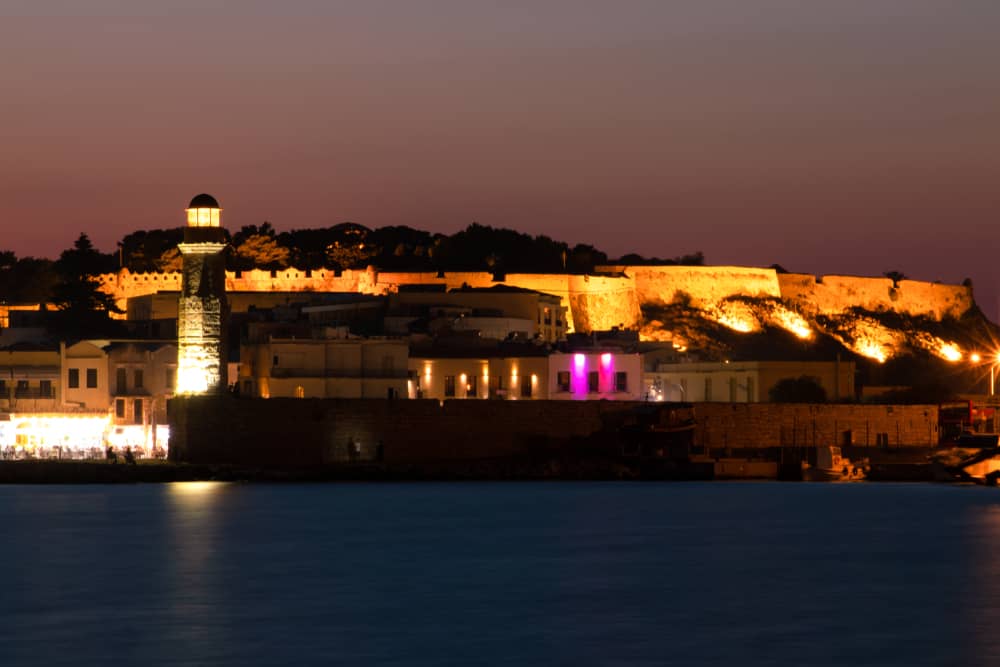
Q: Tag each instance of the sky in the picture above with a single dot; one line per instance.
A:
(828, 136)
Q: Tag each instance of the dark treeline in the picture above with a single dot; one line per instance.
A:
(344, 246)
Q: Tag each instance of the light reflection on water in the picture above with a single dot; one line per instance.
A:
(749, 574)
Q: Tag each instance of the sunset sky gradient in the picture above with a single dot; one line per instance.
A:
(847, 136)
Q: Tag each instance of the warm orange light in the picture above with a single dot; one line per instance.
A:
(975, 358)
(204, 217)
(950, 352)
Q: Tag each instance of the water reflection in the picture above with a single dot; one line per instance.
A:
(981, 617)
(193, 574)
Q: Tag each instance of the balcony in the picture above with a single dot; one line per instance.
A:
(354, 373)
(34, 392)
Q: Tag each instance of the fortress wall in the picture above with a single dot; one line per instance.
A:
(830, 295)
(706, 285)
(601, 302)
(598, 303)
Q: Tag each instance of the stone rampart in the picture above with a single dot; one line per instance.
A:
(829, 295)
(612, 298)
(705, 285)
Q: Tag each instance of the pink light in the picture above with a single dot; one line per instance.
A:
(606, 359)
(579, 360)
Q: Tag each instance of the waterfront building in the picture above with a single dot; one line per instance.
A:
(498, 371)
(742, 381)
(297, 360)
(202, 309)
(29, 377)
(144, 376)
(595, 373)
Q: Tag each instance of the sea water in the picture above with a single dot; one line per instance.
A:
(500, 573)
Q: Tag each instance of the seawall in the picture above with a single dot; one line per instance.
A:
(286, 432)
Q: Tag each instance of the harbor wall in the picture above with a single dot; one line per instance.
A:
(292, 431)
(762, 425)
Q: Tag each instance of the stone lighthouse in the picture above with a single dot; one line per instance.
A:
(202, 311)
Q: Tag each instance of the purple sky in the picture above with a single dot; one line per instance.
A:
(848, 136)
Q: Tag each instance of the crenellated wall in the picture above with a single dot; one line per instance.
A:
(612, 298)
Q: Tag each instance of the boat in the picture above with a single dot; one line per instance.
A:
(828, 464)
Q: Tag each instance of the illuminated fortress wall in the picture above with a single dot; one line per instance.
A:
(830, 295)
(706, 285)
(598, 302)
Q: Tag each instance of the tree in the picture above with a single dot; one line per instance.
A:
(170, 261)
(85, 307)
(895, 277)
(261, 251)
(803, 389)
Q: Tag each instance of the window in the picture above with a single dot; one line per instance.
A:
(449, 385)
(91, 378)
(749, 389)
(708, 389)
(3, 388)
(732, 390)
(45, 389)
(621, 381)
(121, 380)
(168, 381)
(120, 408)
(74, 378)
(300, 392)
(21, 389)
(593, 382)
(562, 380)
(137, 411)
(472, 388)
(525, 386)
(137, 378)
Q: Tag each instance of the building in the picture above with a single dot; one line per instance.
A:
(29, 378)
(485, 371)
(596, 373)
(144, 376)
(743, 381)
(299, 361)
(499, 312)
(202, 309)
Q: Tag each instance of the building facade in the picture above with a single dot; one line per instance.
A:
(743, 381)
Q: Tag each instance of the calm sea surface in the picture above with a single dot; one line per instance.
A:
(518, 574)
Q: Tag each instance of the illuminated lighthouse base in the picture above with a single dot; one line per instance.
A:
(200, 322)
(199, 349)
